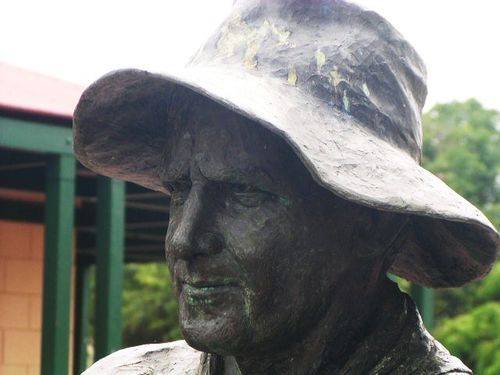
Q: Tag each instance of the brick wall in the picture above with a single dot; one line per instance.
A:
(21, 265)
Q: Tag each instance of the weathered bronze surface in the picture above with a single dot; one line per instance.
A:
(290, 148)
(272, 271)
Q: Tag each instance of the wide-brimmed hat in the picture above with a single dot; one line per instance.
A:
(341, 86)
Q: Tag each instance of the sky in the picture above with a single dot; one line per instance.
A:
(81, 40)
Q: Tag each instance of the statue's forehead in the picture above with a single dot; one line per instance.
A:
(225, 146)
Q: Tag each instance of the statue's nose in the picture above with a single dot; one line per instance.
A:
(190, 237)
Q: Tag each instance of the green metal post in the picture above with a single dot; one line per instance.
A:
(424, 299)
(59, 218)
(81, 317)
(110, 259)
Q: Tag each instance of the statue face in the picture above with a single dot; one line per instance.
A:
(257, 250)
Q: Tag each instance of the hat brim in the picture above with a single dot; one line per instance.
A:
(119, 130)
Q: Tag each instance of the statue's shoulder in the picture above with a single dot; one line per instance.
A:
(425, 355)
(170, 358)
(416, 352)
(442, 360)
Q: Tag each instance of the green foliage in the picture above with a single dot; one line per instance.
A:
(475, 337)
(149, 305)
(456, 301)
(469, 322)
(461, 146)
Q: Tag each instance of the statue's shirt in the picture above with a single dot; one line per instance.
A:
(414, 352)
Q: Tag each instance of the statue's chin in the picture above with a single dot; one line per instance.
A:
(214, 340)
(215, 325)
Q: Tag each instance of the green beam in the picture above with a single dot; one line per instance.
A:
(59, 217)
(424, 299)
(110, 259)
(35, 136)
(82, 318)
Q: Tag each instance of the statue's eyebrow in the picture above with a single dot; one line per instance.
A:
(255, 177)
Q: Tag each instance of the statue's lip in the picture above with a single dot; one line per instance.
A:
(206, 284)
(203, 290)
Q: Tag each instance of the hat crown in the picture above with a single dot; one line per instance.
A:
(340, 54)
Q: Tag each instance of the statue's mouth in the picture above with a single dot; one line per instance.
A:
(205, 279)
(208, 288)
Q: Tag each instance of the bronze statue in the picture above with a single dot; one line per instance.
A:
(290, 147)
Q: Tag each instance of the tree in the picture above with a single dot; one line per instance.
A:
(475, 337)
(149, 305)
(461, 146)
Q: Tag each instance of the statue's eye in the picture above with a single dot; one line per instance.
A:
(248, 196)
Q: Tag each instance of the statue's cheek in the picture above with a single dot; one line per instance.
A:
(261, 235)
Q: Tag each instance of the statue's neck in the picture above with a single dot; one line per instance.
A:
(331, 345)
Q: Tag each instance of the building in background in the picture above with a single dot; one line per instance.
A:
(54, 215)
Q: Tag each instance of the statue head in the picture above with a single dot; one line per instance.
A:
(290, 147)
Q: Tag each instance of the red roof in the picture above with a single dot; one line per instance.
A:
(28, 92)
